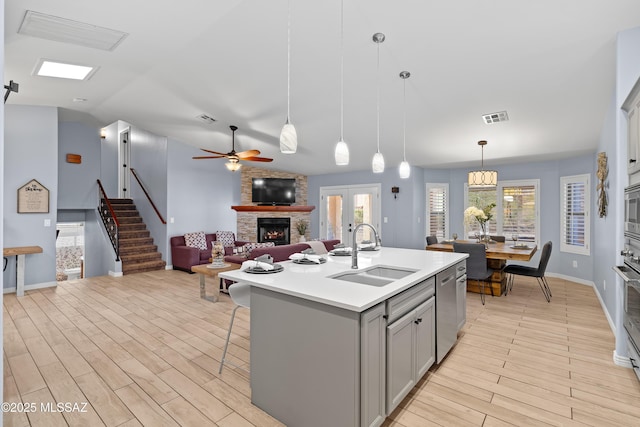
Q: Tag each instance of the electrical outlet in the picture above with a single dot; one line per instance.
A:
(47, 223)
(172, 220)
(575, 264)
(386, 219)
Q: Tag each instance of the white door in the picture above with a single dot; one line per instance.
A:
(124, 155)
(343, 208)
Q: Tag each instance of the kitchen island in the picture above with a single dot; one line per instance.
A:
(326, 351)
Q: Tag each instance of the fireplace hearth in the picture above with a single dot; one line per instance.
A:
(276, 230)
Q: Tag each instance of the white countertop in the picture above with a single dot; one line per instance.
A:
(311, 281)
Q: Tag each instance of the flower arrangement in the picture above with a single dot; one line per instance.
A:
(483, 216)
(301, 226)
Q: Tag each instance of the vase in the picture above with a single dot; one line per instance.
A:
(302, 239)
(217, 254)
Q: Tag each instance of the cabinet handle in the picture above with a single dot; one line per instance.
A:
(632, 160)
(633, 363)
(417, 321)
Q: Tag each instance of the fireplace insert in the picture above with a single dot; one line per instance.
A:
(276, 230)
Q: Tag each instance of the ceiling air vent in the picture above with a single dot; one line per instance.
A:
(501, 116)
(206, 118)
(63, 30)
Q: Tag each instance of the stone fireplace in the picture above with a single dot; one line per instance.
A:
(276, 230)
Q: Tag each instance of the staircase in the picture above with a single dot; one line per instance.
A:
(137, 251)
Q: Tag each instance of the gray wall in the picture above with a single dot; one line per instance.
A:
(149, 159)
(200, 193)
(405, 223)
(77, 182)
(31, 152)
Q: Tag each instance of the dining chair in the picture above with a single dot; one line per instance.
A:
(432, 240)
(499, 239)
(537, 272)
(240, 295)
(476, 263)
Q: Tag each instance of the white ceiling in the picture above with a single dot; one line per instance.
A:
(549, 63)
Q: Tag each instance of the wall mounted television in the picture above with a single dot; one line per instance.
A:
(273, 191)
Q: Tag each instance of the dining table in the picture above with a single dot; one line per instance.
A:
(498, 253)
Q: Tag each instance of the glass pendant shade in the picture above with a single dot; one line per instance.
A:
(405, 170)
(233, 166)
(377, 164)
(341, 153)
(288, 139)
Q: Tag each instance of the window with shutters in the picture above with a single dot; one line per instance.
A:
(516, 211)
(438, 210)
(574, 214)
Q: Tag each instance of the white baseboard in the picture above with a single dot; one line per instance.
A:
(115, 274)
(621, 360)
(571, 279)
(12, 290)
(168, 267)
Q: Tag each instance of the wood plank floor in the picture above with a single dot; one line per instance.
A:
(143, 349)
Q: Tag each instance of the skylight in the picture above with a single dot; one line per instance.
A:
(47, 68)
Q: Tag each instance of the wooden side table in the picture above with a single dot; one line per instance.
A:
(20, 252)
(205, 270)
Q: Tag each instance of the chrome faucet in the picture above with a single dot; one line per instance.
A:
(354, 249)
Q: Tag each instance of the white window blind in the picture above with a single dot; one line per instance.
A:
(438, 210)
(574, 214)
(516, 210)
(519, 211)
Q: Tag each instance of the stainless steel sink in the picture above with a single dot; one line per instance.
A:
(389, 272)
(363, 279)
(374, 276)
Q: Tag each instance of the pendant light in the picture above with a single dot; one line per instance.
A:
(405, 169)
(377, 163)
(288, 135)
(341, 153)
(483, 178)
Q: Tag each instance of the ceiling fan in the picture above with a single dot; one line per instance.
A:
(234, 158)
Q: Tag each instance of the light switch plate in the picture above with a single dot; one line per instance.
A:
(47, 223)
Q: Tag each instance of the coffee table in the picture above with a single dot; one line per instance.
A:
(205, 270)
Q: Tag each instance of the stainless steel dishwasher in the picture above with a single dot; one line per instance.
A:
(446, 312)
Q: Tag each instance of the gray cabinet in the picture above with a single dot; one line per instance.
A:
(461, 293)
(632, 106)
(373, 366)
(411, 349)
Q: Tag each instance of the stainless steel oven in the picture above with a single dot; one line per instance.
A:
(630, 274)
(632, 212)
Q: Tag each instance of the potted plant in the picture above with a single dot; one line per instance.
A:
(301, 226)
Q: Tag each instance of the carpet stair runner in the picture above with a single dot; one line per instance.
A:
(137, 250)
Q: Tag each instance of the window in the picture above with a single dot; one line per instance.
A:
(438, 210)
(516, 210)
(574, 214)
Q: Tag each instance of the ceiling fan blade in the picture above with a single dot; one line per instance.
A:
(207, 157)
(248, 153)
(215, 152)
(258, 159)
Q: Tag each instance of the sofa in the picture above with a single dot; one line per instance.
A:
(183, 257)
(279, 253)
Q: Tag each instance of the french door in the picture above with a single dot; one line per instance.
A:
(343, 208)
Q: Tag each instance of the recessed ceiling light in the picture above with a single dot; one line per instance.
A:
(500, 116)
(48, 68)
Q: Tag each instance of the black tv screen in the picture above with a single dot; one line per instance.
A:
(273, 191)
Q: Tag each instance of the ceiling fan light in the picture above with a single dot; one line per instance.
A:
(341, 153)
(288, 139)
(377, 164)
(233, 166)
(405, 170)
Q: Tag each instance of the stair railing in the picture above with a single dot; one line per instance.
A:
(109, 219)
(153, 205)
